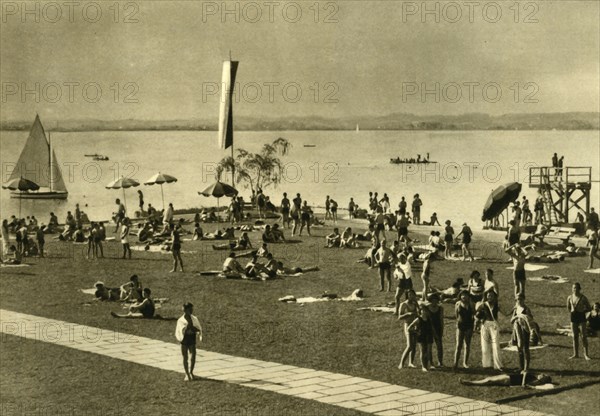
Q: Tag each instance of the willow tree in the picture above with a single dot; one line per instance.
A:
(257, 170)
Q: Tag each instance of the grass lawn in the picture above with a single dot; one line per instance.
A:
(244, 318)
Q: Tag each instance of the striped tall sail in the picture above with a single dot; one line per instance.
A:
(226, 109)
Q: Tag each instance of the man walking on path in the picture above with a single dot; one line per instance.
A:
(188, 330)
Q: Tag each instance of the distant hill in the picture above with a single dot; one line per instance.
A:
(398, 121)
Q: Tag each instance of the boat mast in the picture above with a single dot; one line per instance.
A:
(51, 164)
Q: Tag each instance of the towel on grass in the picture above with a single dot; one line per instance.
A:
(549, 278)
(14, 265)
(594, 271)
(386, 309)
(530, 267)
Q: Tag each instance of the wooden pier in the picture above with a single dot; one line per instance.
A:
(563, 190)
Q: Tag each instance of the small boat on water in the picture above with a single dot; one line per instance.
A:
(411, 161)
(38, 163)
(310, 145)
(96, 156)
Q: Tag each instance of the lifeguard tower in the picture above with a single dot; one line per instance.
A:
(563, 191)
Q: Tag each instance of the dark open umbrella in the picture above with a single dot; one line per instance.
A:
(500, 199)
(219, 190)
(21, 184)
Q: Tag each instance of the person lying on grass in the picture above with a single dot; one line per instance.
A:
(104, 293)
(333, 239)
(140, 310)
(243, 243)
(188, 331)
(507, 380)
(283, 270)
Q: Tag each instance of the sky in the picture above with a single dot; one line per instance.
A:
(161, 60)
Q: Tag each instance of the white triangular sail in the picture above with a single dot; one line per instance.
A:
(34, 163)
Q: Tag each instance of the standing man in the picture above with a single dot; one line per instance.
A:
(555, 165)
(168, 214)
(328, 208)
(187, 332)
(125, 239)
(416, 209)
(384, 258)
(295, 212)
(120, 213)
(559, 171)
(351, 208)
(333, 208)
(402, 206)
(285, 211)
(141, 200)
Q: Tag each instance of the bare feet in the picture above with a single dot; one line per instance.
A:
(573, 356)
(587, 357)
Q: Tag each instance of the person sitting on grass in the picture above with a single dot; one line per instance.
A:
(132, 290)
(254, 268)
(188, 331)
(198, 233)
(12, 256)
(593, 320)
(347, 239)
(231, 267)
(78, 235)
(450, 294)
(243, 243)
(367, 235)
(263, 250)
(140, 310)
(104, 293)
(333, 239)
(267, 235)
(277, 234)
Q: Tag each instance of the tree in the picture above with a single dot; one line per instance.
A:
(257, 170)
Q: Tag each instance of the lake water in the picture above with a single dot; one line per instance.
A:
(343, 164)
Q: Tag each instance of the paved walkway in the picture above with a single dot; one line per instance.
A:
(341, 390)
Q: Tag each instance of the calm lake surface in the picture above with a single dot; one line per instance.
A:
(343, 164)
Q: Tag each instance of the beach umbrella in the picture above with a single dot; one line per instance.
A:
(159, 179)
(219, 190)
(500, 199)
(123, 183)
(21, 184)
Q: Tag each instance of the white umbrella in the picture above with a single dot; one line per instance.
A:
(123, 183)
(159, 179)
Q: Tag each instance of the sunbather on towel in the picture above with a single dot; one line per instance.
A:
(140, 310)
(507, 380)
(104, 293)
(283, 270)
(243, 243)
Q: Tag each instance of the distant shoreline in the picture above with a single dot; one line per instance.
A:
(92, 130)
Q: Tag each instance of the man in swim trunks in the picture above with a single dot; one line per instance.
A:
(144, 309)
(187, 332)
(416, 209)
(384, 258)
(518, 255)
(285, 211)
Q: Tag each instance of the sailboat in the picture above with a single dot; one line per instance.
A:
(38, 163)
